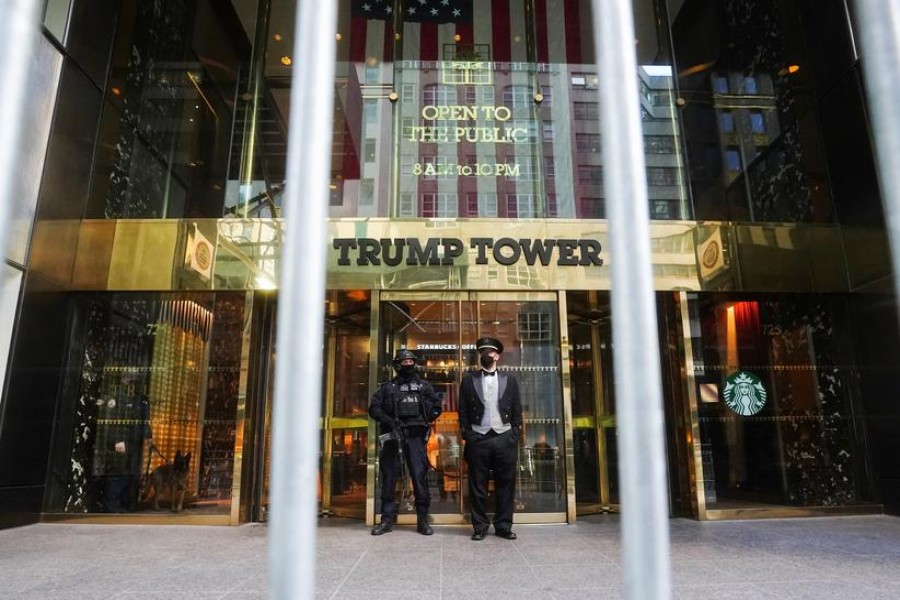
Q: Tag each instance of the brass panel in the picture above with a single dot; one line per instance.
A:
(674, 258)
(349, 422)
(372, 450)
(327, 420)
(54, 249)
(95, 248)
(790, 512)
(568, 436)
(693, 441)
(168, 518)
(150, 254)
(584, 422)
(244, 425)
(143, 255)
(464, 519)
(350, 513)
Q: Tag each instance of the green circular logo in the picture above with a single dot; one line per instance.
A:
(744, 393)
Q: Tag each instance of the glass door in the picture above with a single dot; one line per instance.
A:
(441, 329)
(593, 402)
(341, 487)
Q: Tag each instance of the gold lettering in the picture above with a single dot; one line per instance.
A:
(456, 112)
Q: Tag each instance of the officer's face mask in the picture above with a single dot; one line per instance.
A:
(406, 370)
(487, 360)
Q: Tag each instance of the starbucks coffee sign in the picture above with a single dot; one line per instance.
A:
(744, 393)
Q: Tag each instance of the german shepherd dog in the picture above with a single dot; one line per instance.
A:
(171, 479)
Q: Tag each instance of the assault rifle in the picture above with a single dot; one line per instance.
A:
(398, 434)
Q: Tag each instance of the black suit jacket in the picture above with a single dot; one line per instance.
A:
(471, 403)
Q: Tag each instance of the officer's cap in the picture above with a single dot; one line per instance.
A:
(489, 343)
(404, 354)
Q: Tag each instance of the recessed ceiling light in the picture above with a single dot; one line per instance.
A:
(286, 60)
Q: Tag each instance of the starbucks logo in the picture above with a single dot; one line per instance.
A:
(744, 393)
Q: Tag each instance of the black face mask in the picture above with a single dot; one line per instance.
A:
(406, 370)
(487, 361)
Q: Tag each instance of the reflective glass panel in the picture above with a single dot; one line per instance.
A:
(149, 420)
(777, 399)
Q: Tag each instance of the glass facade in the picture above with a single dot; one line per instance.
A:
(155, 375)
(466, 198)
(777, 411)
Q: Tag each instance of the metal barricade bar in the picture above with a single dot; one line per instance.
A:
(645, 527)
(879, 21)
(301, 310)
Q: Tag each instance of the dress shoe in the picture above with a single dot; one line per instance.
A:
(478, 535)
(424, 528)
(506, 534)
(383, 527)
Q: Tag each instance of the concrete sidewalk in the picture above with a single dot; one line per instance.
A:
(824, 558)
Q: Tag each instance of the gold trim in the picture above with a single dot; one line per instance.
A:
(602, 419)
(596, 508)
(372, 449)
(327, 421)
(784, 512)
(136, 519)
(349, 422)
(239, 505)
(350, 513)
(148, 254)
(519, 518)
(583, 422)
(689, 382)
(566, 381)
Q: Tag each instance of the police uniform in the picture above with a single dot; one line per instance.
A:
(405, 405)
(490, 421)
(123, 419)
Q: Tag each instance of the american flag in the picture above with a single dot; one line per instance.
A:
(561, 27)
(416, 11)
(433, 32)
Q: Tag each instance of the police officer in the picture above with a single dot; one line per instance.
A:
(124, 427)
(405, 406)
(490, 421)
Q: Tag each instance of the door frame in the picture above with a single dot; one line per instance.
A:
(557, 297)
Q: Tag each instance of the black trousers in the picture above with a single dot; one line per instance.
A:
(497, 453)
(416, 457)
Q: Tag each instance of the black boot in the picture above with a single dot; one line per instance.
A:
(423, 527)
(386, 526)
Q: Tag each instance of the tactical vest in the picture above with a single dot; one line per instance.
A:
(408, 401)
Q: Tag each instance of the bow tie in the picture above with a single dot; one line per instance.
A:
(488, 373)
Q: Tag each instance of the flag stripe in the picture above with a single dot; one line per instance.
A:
(357, 51)
(501, 37)
(428, 41)
(466, 32)
(541, 24)
(517, 28)
(388, 41)
(572, 15)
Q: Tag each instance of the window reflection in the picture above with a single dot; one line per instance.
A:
(800, 448)
(158, 380)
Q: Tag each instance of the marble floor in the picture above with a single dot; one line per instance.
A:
(786, 559)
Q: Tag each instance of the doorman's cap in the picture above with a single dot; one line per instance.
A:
(489, 343)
